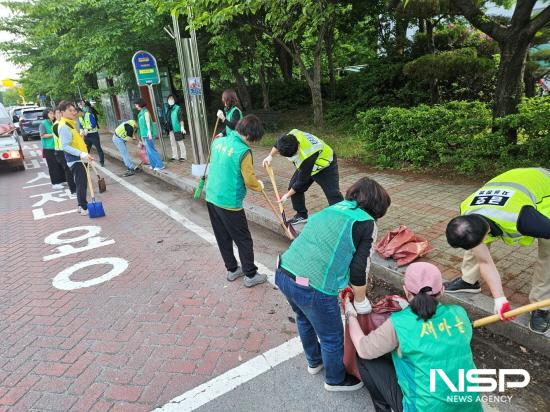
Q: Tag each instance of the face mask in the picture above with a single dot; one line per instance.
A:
(171, 102)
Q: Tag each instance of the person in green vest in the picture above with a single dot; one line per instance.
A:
(230, 173)
(315, 161)
(514, 207)
(60, 154)
(57, 175)
(231, 113)
(176, 129)
(401, 362)
(123, 133)
(148, 132)
(331, 253)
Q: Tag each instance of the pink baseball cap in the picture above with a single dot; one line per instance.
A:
(422, 274)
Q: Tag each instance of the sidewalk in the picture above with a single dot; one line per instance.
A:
(424, 204)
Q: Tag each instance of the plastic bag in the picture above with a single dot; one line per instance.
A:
(403, 245)
(143, 155)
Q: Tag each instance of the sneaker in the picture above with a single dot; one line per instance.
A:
(297, 220)
(150, 167)
(158, 169)
(102, 164)
(128, 172)
(58, 187)
(231, 276)
(173, 159)
(459, 285)
(82, 212)
(138, 169)
(314, 370)
(255, 280)
(350, 383)
(182, 159)
(540, 320)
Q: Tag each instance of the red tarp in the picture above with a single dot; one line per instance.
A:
(403, 245)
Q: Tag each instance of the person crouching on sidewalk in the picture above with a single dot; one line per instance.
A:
(230, 173)
(123, 133)
(76, 152)
(332, 251)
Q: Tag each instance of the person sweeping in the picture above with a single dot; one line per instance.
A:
(230, 173)
(331, 253)
(395, 360)
(315, 161)
(514, 207)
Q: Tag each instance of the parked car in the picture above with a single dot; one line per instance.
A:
(11, 152)
(15, 113)
(29, 122)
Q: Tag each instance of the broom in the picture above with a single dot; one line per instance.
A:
(95, 209)
(202, 180)
(279, 217)
(288, 226)
(511, 313)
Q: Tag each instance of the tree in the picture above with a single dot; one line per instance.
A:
(11, 97)
(514, 40)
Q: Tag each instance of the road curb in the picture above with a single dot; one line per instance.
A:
(477, 305)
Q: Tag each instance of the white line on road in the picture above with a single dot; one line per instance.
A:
(233, 378)
(178, 217)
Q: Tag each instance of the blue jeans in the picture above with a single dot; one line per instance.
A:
(154, 157)
(319, 324)
(121, 146)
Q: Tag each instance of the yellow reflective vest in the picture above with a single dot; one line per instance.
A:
(502, 198)
(78, 141)
(308, 145)
(86, 123)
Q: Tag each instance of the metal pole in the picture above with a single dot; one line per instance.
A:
(183, 75)
(159, 125)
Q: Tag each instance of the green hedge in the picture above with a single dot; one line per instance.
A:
(457, 136)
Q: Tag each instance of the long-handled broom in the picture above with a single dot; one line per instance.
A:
(288, 233)
(288, 226)
(202, 180)
(511, 313)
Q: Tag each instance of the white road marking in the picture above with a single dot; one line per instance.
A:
(178, 217)
(63, 279)
(233, 378)
(40, 184)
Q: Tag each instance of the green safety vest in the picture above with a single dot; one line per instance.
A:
(502, 198)
(308, 145)
(48, 143)
(56, 138)
(324, 250)
(228, 116)
(143, 130)
(225, 185)
(442, 342)
(120, 130)
(174, 118)
(86, 123)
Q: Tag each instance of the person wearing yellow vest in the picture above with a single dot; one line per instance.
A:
(90, 130)
(397, 360)
(60, 154)
(231, 113)
(230, 173)
(76, 152)
(123, 133)
(57, 177)
(331, 253)
(315, 161)
(513, 207)
(176, 129)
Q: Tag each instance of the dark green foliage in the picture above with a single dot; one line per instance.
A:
(456, 136)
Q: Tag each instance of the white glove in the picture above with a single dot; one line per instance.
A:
(501, 307)
(261, 184)
(220, 115)
(267, 161)
(363, 307)
(85, 156)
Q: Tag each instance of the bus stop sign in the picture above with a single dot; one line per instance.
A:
(145, 68)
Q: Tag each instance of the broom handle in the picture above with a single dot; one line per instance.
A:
(274, 183)
(209, 144)
(95, 170)
(90, 185)
(515, 312)
(277, 214)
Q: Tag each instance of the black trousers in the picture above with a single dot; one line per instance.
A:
(327, 178)
(380, 379)
(62, 162)
(231, 226)
(57, 174)
(81, 182)
(93, 139)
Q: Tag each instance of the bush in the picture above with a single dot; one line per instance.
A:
(456, 136)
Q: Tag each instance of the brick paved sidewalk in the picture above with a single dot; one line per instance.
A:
(424, 204)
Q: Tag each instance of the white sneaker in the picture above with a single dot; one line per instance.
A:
(315, 370)
(82, 212)
(57, 187)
